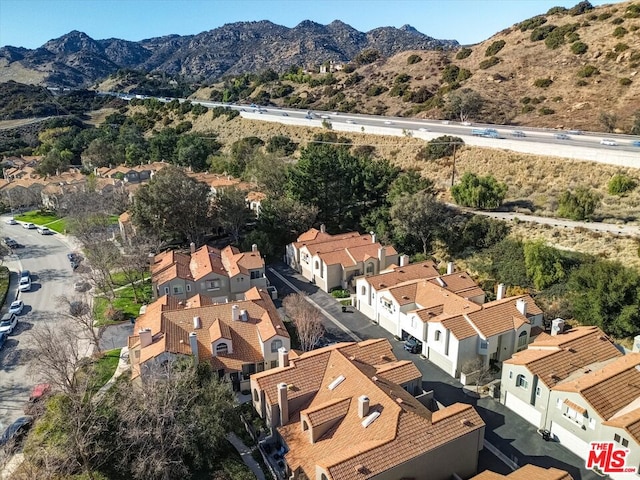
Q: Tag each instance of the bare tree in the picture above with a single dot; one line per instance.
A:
(104, 257)
(480, 371)
(79, 311)
(306, 318)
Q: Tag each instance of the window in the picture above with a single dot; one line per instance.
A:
(369, 270)
(537, 391)
(177, 289)
(222, 348)
(522, 382)
(616, 438)
(212, 284)
(274, 363)
(437, 336)
(317, 265)
(413, 322)
(386, 304)
(625, 442)
(255, 395)
(305, 426)
(247, 370)
(510, 374)
(255, 274)
(305, 257)
(363, 290)
(558, 403)
(592, 423)
(522, 339)
(188, 288)
(166, 290)
(275, 345)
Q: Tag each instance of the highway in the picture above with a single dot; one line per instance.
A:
(51, 275)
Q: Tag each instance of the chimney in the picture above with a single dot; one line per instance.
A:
(283, 357)
(449, 268)
(382, 257)
(404, 260)
(145, 337)
(323, 229)
(557, 327)
(373, 237)
(254, 248)
(363, 406)
(235, 313)
(502, 291)
(283, 403)
(197, 323)
(193, 341)
(192, 247)
(521, 305)
(244, 316)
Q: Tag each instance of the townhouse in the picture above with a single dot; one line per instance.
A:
(334, 261)
(236, 338)
(526, 472)
(347, 412)
(219, 274)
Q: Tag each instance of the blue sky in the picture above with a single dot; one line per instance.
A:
(30, 23)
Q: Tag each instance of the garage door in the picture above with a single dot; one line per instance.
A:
(441, 361)
(522, 408)
(570, 441)
(388, 324)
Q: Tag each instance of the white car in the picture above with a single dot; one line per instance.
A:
(351, 122)
(607, 141)
(11, 221)
(44, 231)
(388, 122)
(8, 323)
(16, 307)
(466, 124)
(25, 284)
(324, 116)
(422, 129)
(29, 226)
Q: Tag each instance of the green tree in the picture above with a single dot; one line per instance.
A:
(162, 146)
(173, 207)
(192, 151)
(242, 152)
(55, 162)
(408, 183)
(103, 152)
(621, 184)
(578, 205)
(543, 263)
(282, 145)
(463, 104)
(479, 192)
(418, 216)
(606, 294)
(504, 262)
(635, 129)
(440, 147)
(232, 213)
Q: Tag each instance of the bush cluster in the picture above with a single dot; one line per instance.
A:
(494, 48)
(463, 53)
(489, 62)
(532, 23)
(620, 184)
(543, 82)
(413, 59)
(588, 71)
(579, 48)
(620, 32)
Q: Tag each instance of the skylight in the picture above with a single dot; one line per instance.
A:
(336, 382)
(369, 419)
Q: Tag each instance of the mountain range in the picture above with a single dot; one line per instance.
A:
(76, 59)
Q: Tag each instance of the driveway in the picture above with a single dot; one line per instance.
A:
(51, 275)
(513, 436)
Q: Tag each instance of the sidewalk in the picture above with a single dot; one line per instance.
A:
(123, 366)
(245, 453)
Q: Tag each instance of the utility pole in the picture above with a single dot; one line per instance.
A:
(453, 168)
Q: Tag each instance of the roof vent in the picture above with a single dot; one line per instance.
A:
(399, 400)
(404, 297)
(441, 282)
(370, 419)
(374, 378)
(466, 423)
(336, 382)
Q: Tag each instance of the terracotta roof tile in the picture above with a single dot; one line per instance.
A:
(575, 406)
(501, 316)
(620, 376)
(327, 412)
(413, 271)
(460, 327)
(399, 372)
(526, 472)
(630, 421)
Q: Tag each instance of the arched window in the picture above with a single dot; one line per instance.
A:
(437, 336)
(317, 265)
(323, 477)
(370, 267)
(222, 348)
(255, 395)
(275, 345)
(363, 290)
(522, 339)
(522, 382)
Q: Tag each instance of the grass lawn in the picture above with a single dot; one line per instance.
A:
(4, 283)
(120, 279)
(124, 301)
(38, 217)
(104, 368)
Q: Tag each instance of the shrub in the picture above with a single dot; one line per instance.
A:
(463, 74)
(479, 192)
(463, 53)
(367, 56)
(620, 32)
(556, 99)
(349, 68)
(546, 111)
(633, 11)
(620, 47)
(339, 293)
(528, 108)
(543, 82)
(375, 90)
(625, 81)
(352, 79)
(413, 59)
(620, 184)
(440, 147)
(617, 21)
(489, 62)
(540, 33)
(532, 23)
(580, 8)
(604, 16)
(588, 71)
(450, 73)
(538, 100)
(526, 100)
(578, 205)
(581, 83)
(572, 37)
(115, 315)
(556, 10)
(579, 48)
(494, 48)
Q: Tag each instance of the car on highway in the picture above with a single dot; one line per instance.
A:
(11, 221)
(16, 307)
(351, 122)
(25, 284)
(518, 133)
(16, 430)
(388, 122)
(466, 124)
(562, 136)
(413, 345)
(29, 226)
(422, 129)
(8, 323)
(285, 114)
(575, 132)
(635, 143)
(608, 141)
(44, 231)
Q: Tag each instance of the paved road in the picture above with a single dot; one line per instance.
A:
(511, 434)
(51, 275)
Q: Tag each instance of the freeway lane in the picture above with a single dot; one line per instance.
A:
(51, 275)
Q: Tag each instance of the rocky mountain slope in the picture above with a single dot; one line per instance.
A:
(76, 59)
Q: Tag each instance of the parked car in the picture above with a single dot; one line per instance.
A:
(8, 323)
(562, 136)
(11, 221)
(16, 307)
(3, 338)
(44, 231)
(608, 141)
(413, 345)
(16, 430)
(25, 284)
(81, 286)
(29, 226)
(11, 243)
